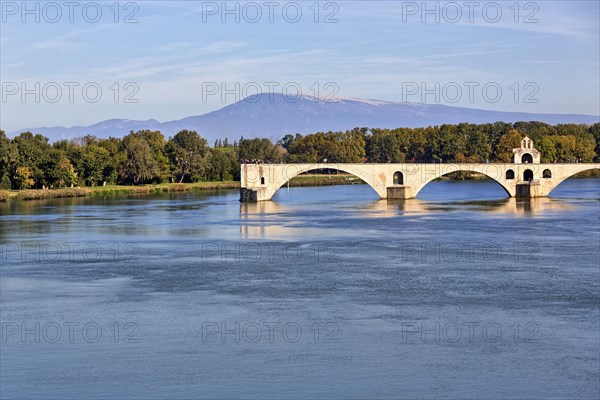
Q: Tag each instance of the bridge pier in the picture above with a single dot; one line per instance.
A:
(399, 192)
(248, 195)
(253, 195)
(528, 190)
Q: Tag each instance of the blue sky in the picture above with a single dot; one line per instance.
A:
(376, 49)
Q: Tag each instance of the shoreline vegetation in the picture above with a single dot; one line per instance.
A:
(109, 190)
(305, 180)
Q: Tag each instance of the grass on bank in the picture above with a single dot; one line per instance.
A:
(38, 194)
(4, 195)
(162, 188)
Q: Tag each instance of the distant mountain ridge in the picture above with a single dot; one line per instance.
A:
(274, 115)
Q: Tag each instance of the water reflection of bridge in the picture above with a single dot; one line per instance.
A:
(266, 219)
(538, 205)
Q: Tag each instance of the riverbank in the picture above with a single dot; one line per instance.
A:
(39, 194)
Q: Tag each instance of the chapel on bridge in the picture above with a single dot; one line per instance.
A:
(527, 153)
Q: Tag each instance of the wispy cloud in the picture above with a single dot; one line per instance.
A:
(178, 59)
(572, 19)
(67, 41)
(14, 65)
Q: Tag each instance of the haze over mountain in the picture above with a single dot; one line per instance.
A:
(274, 115)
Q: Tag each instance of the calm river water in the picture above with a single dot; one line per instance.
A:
(324, 292)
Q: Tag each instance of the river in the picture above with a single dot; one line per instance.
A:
(324, 292)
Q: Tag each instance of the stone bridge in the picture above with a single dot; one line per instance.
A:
(259, 182)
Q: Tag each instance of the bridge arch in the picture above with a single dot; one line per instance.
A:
(485, 171)
(528, 175)
(297, 169)
(571, 174)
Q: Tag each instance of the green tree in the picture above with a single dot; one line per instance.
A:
(224, 164)
(23, 178)
(94, 159)
(383, 146)
(506, 144)
(565, 147)
(546, 145)
(478, 147)
(452, 144)
(157, 144)
(434, 144)
(8, 159)
(73, 150)
(535, 129)
(117, 157)
(260, 149)
(584, 147)
(351, 145)
(189, 155)
(335, 147)
(288, 140)
(140, 165)
(34, 153)
(60, 171)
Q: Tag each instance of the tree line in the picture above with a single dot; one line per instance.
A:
(31, 161)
